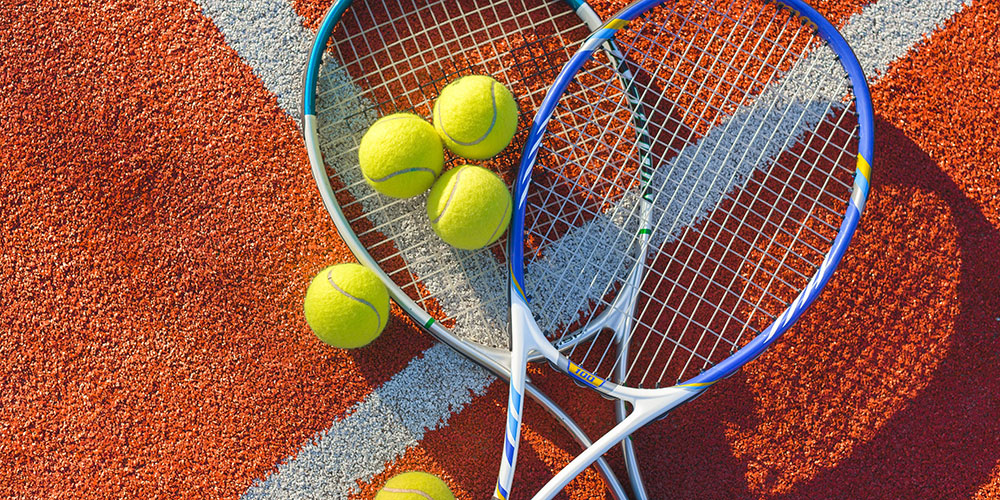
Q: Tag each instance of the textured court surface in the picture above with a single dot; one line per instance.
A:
(160, 226)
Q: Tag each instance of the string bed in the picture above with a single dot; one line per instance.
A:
(725, 194)
(386, 57)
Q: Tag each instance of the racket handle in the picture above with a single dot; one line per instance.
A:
(515, 400)
(631, 464)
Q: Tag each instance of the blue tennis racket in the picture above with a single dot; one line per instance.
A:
(371, 58)
(691, 180)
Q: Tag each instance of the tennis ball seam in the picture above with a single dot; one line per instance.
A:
(451, 194)
(506, 208)
(401, 172)
(329, 278)
(493, 121)
(415, 492)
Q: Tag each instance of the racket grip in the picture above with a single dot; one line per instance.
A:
(515, 401)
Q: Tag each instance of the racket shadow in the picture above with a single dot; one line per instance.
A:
(942, 443)
(690, 455)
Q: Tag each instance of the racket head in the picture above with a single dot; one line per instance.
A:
(738, 249)
(373, 58)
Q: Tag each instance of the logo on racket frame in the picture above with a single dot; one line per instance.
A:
(805, 19)
(585, 376)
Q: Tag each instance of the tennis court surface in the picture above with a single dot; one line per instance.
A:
(160, 226)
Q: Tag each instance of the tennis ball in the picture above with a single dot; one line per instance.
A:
(469, 207)
(401, 155)
(347, 305)
(476, 117)
(415, 486)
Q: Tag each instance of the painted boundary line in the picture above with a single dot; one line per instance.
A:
(270, 37)
(379, 429)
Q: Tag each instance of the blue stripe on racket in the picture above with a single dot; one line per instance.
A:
(741, 184)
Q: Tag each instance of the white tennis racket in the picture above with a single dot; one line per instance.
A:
(373, 58)
(700, 200)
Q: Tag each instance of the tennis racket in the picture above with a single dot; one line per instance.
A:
(373, 58)
(706, 225)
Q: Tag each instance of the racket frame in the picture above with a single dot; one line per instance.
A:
(496, 361)
(527, 339)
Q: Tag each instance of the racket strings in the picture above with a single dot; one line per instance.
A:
(742, 326)
(395, 56)
(669, 144)
(730, 249)
(687, 42)
(430, 35)
(700, 297)
(778, 289)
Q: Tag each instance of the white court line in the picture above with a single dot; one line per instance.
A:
(379, 429)
(705, 172)
(268, 35)
(270, 38)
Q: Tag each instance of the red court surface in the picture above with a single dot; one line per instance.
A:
(160, 226)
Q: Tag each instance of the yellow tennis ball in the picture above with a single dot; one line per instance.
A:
(401, 155)
(476, 117)
(415, 485)
(347, 305)
(469, 207)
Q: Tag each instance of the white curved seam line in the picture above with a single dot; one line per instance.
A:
(329, 278)
(401, 172)
(506, 209)
(451, 194)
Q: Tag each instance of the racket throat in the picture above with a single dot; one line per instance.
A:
(619, 317)
(644, 410)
